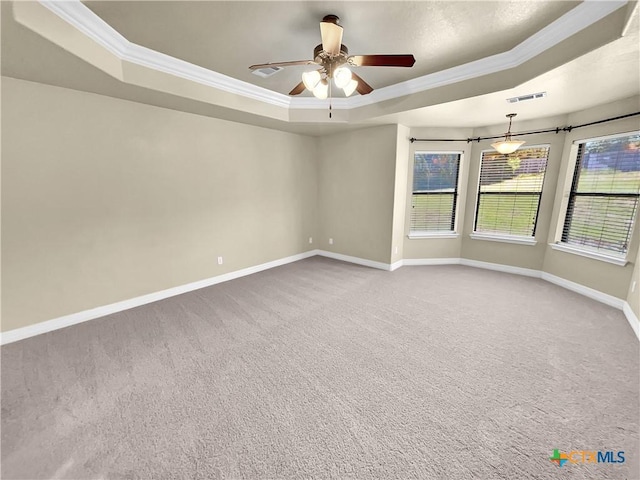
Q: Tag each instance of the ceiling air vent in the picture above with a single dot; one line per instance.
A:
(266, 72)
(531, 96)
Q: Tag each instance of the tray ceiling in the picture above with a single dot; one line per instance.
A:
(227, 37)
(193, 56)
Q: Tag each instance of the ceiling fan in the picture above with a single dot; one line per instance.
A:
(333, 59)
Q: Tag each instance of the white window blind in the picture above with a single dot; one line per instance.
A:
(509, 191)
(604, 195)
(435, 191)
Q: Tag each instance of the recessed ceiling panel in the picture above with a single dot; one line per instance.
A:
(227, 37)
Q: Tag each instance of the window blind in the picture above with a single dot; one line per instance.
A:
(509, 191)
(604, 195)
(435, 191)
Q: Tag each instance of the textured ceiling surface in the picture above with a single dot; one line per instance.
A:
(227, 37)
(601, 76)
(605, 74)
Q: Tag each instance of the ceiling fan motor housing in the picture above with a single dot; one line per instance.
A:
(330, 62)
(331, 19)
(331, 55)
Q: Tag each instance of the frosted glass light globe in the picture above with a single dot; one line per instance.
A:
(322, 90)
(311, 79)
(342, 77)
(351, 87)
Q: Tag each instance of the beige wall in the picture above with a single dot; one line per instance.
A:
(601, 276)
(524, 256)
(104, 199)
(356, 178)
(596, 274)
(415, 248)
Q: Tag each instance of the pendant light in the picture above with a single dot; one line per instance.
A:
(508, 145)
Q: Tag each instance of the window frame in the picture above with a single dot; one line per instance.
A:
(571, 179)
(453, 233)
(529, 240)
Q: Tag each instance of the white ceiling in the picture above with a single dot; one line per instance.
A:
(227, 37)
(604, 75)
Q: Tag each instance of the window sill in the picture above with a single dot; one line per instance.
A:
(419, 235)
(504, 238)
(620, 261)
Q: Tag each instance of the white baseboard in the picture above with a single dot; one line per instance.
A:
(396, 265)
(586, 291)
(527, 272)
(632, 319)
(356, 260)
(86, 315)
(561, 282)
(430, 261)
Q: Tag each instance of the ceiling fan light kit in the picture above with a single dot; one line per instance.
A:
(321, 90)
(317, 85)
(311, 79)
(333, 59)
(350, 87)
(508, 145)
(342, 77)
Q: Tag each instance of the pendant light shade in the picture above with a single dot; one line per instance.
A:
(508, 145)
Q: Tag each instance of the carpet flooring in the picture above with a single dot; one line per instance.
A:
(323, 369)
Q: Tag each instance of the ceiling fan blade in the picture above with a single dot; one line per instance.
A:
(282, 64)
(363, 87)
(298, 89)
(331, 34)
(399, 60)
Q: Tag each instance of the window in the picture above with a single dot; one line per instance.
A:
(435, 192)
(604, 195)
(509, 191)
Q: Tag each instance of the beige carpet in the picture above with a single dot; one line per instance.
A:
(322, 369)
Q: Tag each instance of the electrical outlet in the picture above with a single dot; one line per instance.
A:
(633, 286)
(395, 250)
(220, 261)
(331, 241)
(310, 239)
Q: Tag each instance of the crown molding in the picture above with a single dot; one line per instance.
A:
(159, 61)
(577, 19)
(83, 19)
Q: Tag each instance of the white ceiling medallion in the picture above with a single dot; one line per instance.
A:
(91, 25)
